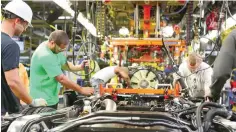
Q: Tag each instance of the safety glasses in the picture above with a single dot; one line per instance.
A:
(59, 49)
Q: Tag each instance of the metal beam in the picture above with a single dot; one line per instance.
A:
(55, 22)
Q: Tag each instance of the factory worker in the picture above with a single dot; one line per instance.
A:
(197, 76)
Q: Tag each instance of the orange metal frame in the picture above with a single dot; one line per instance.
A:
(145, 58)
(122, 43)
(130, 42)
(174, 92)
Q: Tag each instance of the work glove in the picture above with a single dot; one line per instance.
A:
(38, 102)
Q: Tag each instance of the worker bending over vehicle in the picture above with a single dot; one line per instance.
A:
(197, 76)
(107, 73)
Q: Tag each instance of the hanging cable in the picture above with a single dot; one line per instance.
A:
(76, 59)
(179, 11)
(227, 6)
(218, 33)
(213, 47)
(74, 28)
(189, 22)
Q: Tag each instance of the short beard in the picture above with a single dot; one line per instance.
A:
(54, 50)
(17, 33)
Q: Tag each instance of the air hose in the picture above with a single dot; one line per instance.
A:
(214, 112)
(198, 113)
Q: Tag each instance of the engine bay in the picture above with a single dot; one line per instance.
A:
(126, 112)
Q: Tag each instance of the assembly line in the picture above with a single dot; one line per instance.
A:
(118, 66)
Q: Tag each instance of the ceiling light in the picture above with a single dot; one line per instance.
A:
(87, 24)
(84, 21)
(230, 22)
(64, 17)
(124, 31)
(168, 31)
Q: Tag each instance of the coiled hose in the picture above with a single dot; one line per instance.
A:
(198, 113)
(214, 112)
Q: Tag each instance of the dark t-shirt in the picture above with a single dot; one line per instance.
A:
(224, 64)
(10, 54)
(226, 60)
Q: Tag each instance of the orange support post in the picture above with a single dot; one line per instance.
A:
(101, 89)
(177, 89)
(146, 18)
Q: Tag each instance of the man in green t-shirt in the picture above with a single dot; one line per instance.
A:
(46, 74)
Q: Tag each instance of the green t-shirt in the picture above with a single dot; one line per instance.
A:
(45, 66)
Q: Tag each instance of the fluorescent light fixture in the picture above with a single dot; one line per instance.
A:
(41, 34)
(167, 31)
(211, 35)
(87, 24)
(65, 4)
(124, 31)
(64, 17)
(230, 22)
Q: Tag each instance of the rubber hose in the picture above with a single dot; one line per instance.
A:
(210, 116)
(142, 124)
(233, 117)
(199, 109)
(193, 107)
(181, 114)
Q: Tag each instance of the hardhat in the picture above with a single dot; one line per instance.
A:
(21, 9)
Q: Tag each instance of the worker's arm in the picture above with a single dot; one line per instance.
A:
(126, 79)
(17, 87)
(71, 85)
(10, 63)
(224, 64)
(123, 72)
(71, 67)
(180, 73)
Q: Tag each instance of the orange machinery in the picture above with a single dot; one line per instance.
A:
(173, 92)
(122, 44)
